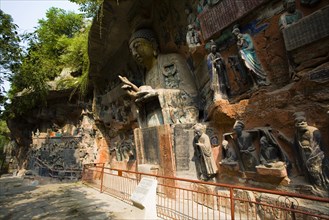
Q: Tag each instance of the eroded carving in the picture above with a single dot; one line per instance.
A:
(218, 75)
(247, 149)
(205, 164)
(311, 160)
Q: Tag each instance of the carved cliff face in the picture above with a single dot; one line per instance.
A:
(143, 51)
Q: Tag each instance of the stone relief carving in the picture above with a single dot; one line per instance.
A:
(254, 150)
(311, 160)
(289, 17)
(269, 154)
(201, 5)
(249, 56)
(64, 155)
(218, 75)
(192, 37)
(203, 157)
(192, 19)
(291, 14)
(124, 150)
(241, 76)
(230, 154)
(249, 156)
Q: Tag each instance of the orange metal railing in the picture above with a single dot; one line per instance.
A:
(179, 198)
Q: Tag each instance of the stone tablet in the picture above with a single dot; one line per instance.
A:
(144, 195)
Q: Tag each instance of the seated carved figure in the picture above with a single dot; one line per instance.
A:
(230, 154)
(167, 80)
(248, 152)
(268, 153)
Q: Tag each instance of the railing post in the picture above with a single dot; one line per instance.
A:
(232, 203)
(83, 172)
(293, 213)
(102, 176)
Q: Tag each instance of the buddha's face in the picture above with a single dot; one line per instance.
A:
(142, 50)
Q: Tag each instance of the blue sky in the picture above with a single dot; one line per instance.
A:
(26, 13)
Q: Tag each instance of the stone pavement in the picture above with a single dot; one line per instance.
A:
(49, 199)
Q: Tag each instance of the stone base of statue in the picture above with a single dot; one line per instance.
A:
(205, 197)
(277, 169)
(230, 165)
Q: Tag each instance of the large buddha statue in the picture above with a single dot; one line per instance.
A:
(169, 93)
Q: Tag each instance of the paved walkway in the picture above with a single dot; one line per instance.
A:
(47, 199)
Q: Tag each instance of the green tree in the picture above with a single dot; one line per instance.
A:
(42, 62)
(10, 52)
(89, 7)
(4, 140)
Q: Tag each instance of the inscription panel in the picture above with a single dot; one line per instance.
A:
(184, 135)
(216, 18)
(307, 30)
(150, 145)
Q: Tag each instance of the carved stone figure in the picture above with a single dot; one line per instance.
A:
(291, 14)
(289, 17)
(192, 37)
(247, 149)
(192, 18)
(240, 72)
(201, 5)
(218, 75)
(230, 154)
(311, 157)
(126, 150)
(268, 153)
(167, 79)
(249, 56)
(203, 156)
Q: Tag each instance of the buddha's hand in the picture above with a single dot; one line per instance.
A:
(131, 88)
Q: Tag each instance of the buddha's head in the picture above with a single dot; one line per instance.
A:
(144, 47)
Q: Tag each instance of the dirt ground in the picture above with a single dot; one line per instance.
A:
(48, 199)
